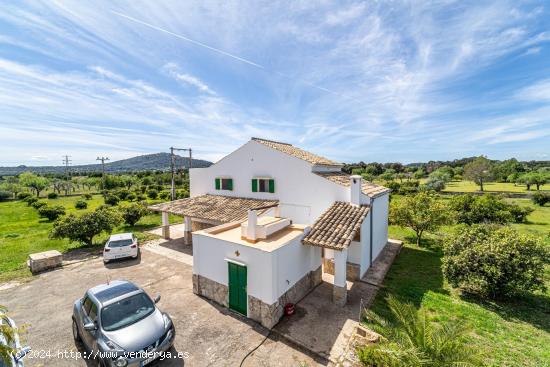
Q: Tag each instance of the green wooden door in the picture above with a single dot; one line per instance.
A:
(237, 288)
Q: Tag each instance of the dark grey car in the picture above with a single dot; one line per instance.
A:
(120, 325)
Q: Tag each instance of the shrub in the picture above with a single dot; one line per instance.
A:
(393, 186)
(81, 204)
(140, 197)
(409, 187)
(88, 225)
(87, 196)
(519, 213)
(30, 200)
(51, 212)
(494, 262)
(123, 194)
(541, 198)
(111, 199)
(435, 184)
(5, 195)
(23, 195)
(165, 195)
(131, 196)
(182, 193)
(132, 213)
(53, 195)
(472, 209)
(39, 204)
(152, 193)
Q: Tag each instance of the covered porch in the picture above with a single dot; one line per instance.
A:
(335, 231)
(206, 211)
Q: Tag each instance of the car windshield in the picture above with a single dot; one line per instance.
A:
(127, 311)
(120, 243)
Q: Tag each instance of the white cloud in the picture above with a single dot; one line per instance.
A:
(174, 71)
(538, 92)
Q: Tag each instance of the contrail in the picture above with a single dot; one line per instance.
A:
(189, 39)
(225, 53)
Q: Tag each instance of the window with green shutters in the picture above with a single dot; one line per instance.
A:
(222, 183)
(263, 185)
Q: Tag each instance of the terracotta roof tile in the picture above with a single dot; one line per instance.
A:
(218, 208)
(297, 152)
(337, 226)
(370, 189)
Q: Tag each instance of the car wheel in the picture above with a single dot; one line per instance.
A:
(76, 334)
(105, 261)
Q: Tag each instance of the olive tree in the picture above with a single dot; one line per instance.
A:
(83, 228)
(34, 182)
(479, 170)
(421, 212)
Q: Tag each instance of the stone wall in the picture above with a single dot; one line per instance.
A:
(353, 271)
(210, 289)
(269, 315)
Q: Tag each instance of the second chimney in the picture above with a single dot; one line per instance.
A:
(355, 189)
(252, 223)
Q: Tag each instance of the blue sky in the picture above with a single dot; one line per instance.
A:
(372, 81)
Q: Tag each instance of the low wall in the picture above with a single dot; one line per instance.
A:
(353, 271)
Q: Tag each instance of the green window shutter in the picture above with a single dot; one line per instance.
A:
(218, 183)
(271, 185)
(254, 185)
(230, 184)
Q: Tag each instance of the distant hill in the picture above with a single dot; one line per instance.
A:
(148, 162)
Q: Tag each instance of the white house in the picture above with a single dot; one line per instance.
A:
(268, 218)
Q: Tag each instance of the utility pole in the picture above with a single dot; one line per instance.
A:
(67, 162)
(173, 166)
(102, 159)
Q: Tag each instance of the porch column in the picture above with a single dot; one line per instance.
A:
(340, 291)
(187, 234)
(165, 226)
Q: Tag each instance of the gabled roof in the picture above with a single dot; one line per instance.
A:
(337, 226)
(370, 189)
(218, 208)
(297, 152)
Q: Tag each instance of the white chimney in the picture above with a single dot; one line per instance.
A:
(355, 189)
(252, 224)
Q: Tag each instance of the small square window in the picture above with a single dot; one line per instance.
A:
(227, 184)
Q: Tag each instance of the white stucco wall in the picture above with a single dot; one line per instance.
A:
(269, 274)
(365, 246)
(303, 195)
(354, 252)
(380, 223)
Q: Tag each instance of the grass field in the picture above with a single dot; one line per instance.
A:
(511, 333)
(469, 186)
(23, 232)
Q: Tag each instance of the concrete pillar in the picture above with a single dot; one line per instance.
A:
(187, 234)
(340, 291)
(165, 226)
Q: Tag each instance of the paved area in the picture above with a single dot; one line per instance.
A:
(211, 335)
(325, 328)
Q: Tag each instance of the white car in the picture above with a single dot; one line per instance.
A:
(120, 246)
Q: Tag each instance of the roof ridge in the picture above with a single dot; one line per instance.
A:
(271, 141)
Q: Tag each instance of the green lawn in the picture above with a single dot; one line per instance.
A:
(511, 333)
(469, 186)
(23, 232)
